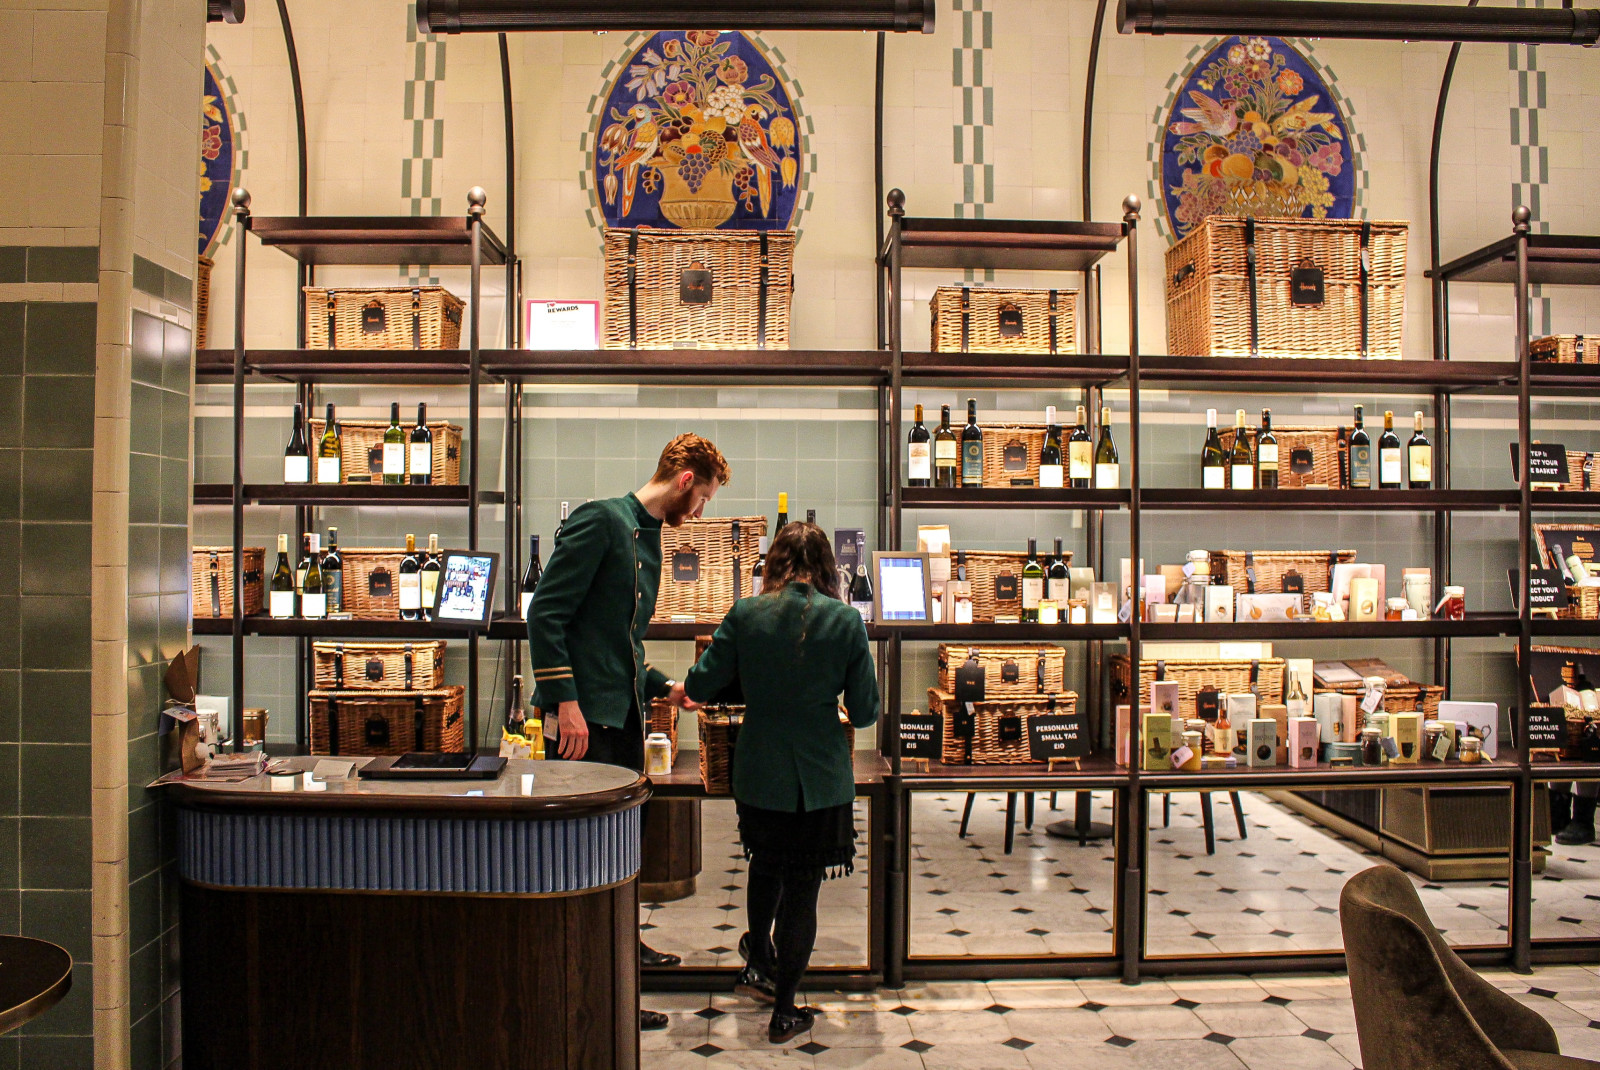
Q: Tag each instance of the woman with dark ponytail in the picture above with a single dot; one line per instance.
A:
(793, 648)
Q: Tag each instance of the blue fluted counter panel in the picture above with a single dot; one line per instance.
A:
(378, 853)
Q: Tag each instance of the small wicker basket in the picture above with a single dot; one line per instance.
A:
(664, 719)
(1264, 676)
(372, 582)
(211, 580)
(387, 722)
(999, 726)
(1323, 444)
(697, 567)
(719, 739)
(1583, 603)
(1007, 670)
(991, 320)
(399, 317)
(361, 450)
(379, 666)
(1011, 451)
(1566, 349)
(1263, 571)
(752, 280)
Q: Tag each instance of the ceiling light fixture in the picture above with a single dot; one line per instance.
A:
(1384, 22)
(509, 16)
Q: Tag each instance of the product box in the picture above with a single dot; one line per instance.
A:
(1156, 742)
(1279, 715)
(1261, 743)
(1364, 599)
(1350, 725)
(1406, 730)
(1258, 607)
(1241, 709)
(1328, 709)
(1218, 606)
(1482, 720)
(1165, 697)
(1124, 725)
(1304, 742)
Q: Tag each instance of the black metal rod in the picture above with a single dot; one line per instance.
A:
(303, 670)
(1522, 789)
(1380, 22)
(241, 219)
(303, 271)
(596, 16)
(1441, 310)
(1130, 920)
(1442, 530)
(513, 317)
(1086, 182)
(877, 177)
(476, 199)
(897, 211)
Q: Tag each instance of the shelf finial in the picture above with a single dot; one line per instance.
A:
(476, 199)
(1521, 217)
(1130, 209)
(241, 201)
(897, 202)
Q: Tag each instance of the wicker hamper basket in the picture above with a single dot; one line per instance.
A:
(664, 719)
(719, 739)
(1263, 571)
(379, 666)
(752, 280)
(1566, 349)
(991, 320)
(361, 449)
(1583, 603)
(1007, 670)
(1323, 444)
(998, 439)
(1227, 675)
(211, 580)
(997, 739)
(373, 723)
(697, 567)
(398, 317)
(372, 582)
(1223, 302)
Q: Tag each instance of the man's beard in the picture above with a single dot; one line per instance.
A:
(677, 509)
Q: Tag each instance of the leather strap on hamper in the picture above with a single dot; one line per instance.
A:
(1052, 319)
(1366, 275)
(333, 324)
(1161, 670)
(416, 318)
(633, 289)
(1250, 275)
(418, 717)
(1249, 572)
(761, 296)
(338, 665)
(216, 585)
(333, 725)
(966, 318)
(1255, 677)
(408, 666)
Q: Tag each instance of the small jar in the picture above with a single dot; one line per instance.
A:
(1394, 609)
(657, 755)
(1380, 722)
(1454, 604)
(1192, 763)
(1471, 750)
(1371, 747)
(1431, 731)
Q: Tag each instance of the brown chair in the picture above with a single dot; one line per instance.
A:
(1417, 1005)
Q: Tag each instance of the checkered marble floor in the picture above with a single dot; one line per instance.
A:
(1281, 1022)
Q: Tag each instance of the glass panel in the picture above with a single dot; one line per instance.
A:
(1566, 876)
(1274, 888)
(1048, 896)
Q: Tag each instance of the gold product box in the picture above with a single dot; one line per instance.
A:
(1156, 742)
(1406, 730)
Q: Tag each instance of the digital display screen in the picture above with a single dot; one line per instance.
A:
(903, 588)
(466, 588)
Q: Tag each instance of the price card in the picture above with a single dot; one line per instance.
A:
(922, 736)
(1547, 463)
(1057, 736)
(563, 325)
(1547, 727)
(1547, 589)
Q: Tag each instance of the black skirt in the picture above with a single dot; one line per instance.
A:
(814, 839)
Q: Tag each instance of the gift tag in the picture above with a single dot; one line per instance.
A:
(1006, 588)
(380, 583)
(970, 682)
(1373, 700)
(377, 732)
(1293, 583)
(1306, 284)
(1441, 748)
(1010, 728)
(694, 285)
(1010, 320)
(962, 722)
(1180, 756)
(1016, 457)
(1207, 701)
(1301, 461)
(374, 669)
(373, 318)
(1391, 749)
(1009, 673)
(686, 565)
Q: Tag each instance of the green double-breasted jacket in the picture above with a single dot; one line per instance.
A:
(587, 620)
(793, 653)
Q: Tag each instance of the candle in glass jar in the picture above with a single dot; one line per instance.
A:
(1453, 606)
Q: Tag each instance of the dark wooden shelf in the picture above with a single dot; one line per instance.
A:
(999, 633)
(1316, 373)
(430, 240)
(1587, 500)
(1012, 498)
(1194, 499)
(1005, 244)
(1012, 369)
(1564, 379)
(436, 495)
(1095, 771)
(1502, 769)
(1476, 625)
(263, 625)
(1544, 626)
(1565, 770)
(430, 366)
(1553, 260)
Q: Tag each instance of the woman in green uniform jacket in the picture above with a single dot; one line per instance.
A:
(793, 649)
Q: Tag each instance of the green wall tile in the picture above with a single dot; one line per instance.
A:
(56, 853)
(175, 425)
(144, 765)
(11, 633)
(144, 489)
(61, 917)
(55, 783)
(175, 553)
(13, 320)
(144, 980)
(56, 484)
(143, 628)
(10, 779)
(148, 337)
(144, 840)
(177, 351)
(10, 720)
(176, 490)
(145, 1042)
(13, 263)
(10, 484)
(11, 1053)
(55, 558)
(149, 277)
(60, 338)
(144, 559)
(55, 706)
(144, 432)
(10, 839)
(174, 626)
(55, 631)
(10, 557)
(146, 695)
(74, 1015)
(64, 263)
(10, 410)
(144, 909)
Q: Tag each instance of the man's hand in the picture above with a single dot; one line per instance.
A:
(574, 730)
(679, 697)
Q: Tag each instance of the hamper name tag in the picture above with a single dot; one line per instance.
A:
(380, 584)
(970, 682)
(1010, 728)
(1016, 457)
(1057, 736)
(1547, 463)
(686, 565)
(1009, 673)
(694, 285)
(1547, 727)
(373, 318)
(1306, 284)
(1010, 321)
(1005, 588)
(921, 736)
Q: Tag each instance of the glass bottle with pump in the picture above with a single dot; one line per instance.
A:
(330, 469)
(1266, 454)
(394, 448)
(1052, 474)
(1213, 463)
(972, 448)
(1242, 472)
(296, 459)
(919, 454)
(1389, 455)
(1080, 454)
(280, 598)
(1107, 472)
(420, 456)
(946, 454)
(530, 575)
(1419, 456)
(1360, 456)
(1032, 584)
(410, 582)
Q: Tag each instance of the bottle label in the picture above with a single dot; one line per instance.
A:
(1421, 464)
(1080, 460)
(297, 469)
(1361, 466)
(1052, 475)
(281, 605)
(1389, 466)
(963, 611)
(394, 459)
(328, 470)
(1060, 591)
(333, 583)
(314, 606)
(1214, 477)
(527, 600)
(863, 608)
(1108, 476)
(410, 590)
(972, 464)
(945, 450)
(920, 461)
(755, 586)
(430, 587)
(1032, 591)
(421, 459)
(1267, 455)
(1244, 477)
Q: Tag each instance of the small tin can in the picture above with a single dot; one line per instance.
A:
(657, 755)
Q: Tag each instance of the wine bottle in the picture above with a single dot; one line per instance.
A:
(1033, 579)
(1296, 699)
(296, 458)
(1243, 472)
(1213, 466)
(919, 458)
(562, 524)
(1052, 473)
(1388, 455)
(314, 590)
(333, 573)
(1360, 456)
(1561, 562)
(1058, 580)
(758, 571)
(301, 566)
(394, 448)
(329, 467)
(861, 586)
(1419, 456)
(783, 512)
(421, 452)
(972, 448)
(811, 516)
(1107, 472)
(431, 565)
(961, 611)
(530, 575)
(280, 599)
(946, 464)
(1266, 454)
(410, 582)
(1080, 454)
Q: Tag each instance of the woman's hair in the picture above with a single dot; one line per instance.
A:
(801, 554)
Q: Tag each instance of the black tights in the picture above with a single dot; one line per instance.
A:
(781, 902)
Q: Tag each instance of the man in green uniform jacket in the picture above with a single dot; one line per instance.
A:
(589, 615)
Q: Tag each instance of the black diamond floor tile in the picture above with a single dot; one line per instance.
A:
(1252, 910)
(918, 1046)
(958, 932)
(1018, 1043)
(811, 1047)
(997, 1008)
(646, 927)
(1186, 1004)
(1021, 910)
(719, 950)
(1545, 992)
(706, 1050)
(1316, 1034)
(1282, 934)
(1120, 1042)
(1203, 935)
(1277, 1001)
(1218, 1038)
(904, 1011)
(1038, 932)
(724, 927)
(710, 1014)
(1091, 1005)
(947, 910)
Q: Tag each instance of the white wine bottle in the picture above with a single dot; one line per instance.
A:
(531, 576)
(1032, 582)
(565, 509)
(1080, 453)
(1213, 465)
(394, 448)
(280, 598)
(314, 590)
(333, 573)
(420, 454)
(430, 576)
(1389, 455)
(1107, 470)
(329, 467)
(410, 582)
(1419, 456)
(1266, 454)
(919, 457)
(1242, 469)
(303, 564)
(1052, 473)
(296, 458)
(946, 454)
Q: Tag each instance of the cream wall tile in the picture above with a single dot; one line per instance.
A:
(69, 46)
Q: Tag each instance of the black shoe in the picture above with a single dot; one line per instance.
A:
(1575, 835)
(785, 1027)
(753, 984)
(650, 1020)
(649, 956)
(761, 962)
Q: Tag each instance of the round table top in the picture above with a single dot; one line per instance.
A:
(34, 975)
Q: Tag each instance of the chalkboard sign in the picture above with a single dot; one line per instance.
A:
(1547, 462)
(922, 736)
(1547, 727)
(1547, 588)
(1057, 736)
